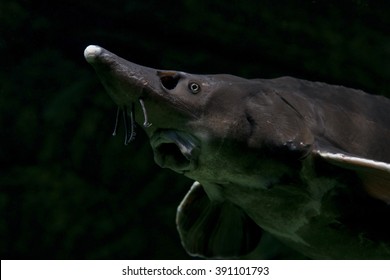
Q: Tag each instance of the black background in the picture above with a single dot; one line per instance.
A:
(68, 190)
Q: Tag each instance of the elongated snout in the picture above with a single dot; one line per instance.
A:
(125, 81)
(92, 52)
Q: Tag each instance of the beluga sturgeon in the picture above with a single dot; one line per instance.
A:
(306, 162)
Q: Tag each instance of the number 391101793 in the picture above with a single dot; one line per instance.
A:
(252, 270)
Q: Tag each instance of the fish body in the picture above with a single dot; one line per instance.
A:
(306, 162)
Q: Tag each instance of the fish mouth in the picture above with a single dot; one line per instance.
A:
(176, 150)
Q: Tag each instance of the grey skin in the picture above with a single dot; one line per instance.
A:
(306, 162)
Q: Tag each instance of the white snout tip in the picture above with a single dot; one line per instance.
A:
(91, 52)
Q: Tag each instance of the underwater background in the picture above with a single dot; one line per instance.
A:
(68, 189)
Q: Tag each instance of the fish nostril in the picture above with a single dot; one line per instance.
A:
(170, 81)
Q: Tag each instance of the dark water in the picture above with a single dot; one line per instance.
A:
(70, 190)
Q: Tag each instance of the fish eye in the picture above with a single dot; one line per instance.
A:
(194, 87)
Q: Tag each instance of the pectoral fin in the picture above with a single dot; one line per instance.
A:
(215, 229)
(375, 175)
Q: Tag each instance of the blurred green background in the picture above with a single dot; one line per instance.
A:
(68, 190)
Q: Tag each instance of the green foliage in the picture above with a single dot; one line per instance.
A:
(69, 190)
